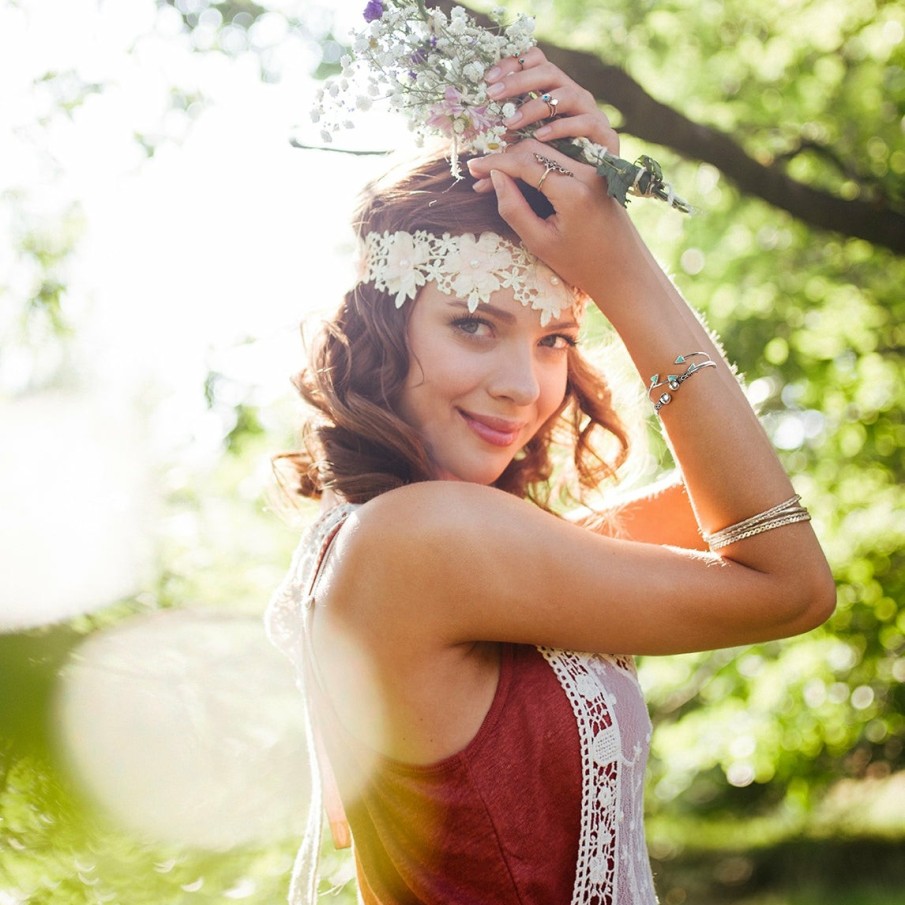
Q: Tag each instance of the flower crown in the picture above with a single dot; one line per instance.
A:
(468, 267)
(431, 69)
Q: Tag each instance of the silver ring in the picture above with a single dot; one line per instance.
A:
(552, 165)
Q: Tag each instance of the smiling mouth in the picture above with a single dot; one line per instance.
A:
(496, 431)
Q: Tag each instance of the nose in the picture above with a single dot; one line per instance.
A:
(515, 377)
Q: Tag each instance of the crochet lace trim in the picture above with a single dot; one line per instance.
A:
(607, 841)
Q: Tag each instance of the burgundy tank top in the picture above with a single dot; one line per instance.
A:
(496, 823)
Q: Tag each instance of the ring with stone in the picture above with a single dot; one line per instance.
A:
(551, 103)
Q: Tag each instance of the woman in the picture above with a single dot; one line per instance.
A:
(434, 610)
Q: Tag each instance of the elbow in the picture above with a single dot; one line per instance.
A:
(816, 596)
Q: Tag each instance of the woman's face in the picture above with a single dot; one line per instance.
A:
(481, 385)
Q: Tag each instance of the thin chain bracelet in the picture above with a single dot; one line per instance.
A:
(674, 381)
(803, 516)
(787, 512)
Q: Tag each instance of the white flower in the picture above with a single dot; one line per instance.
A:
(477, 264)
(551, 295)
(403, 272)
(474, 72)
(363, 103)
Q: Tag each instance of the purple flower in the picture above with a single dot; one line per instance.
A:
(442, 114)
(374, 10)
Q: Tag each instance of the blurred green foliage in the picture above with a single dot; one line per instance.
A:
(815, 322)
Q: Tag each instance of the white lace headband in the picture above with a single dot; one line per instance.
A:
(468, 267)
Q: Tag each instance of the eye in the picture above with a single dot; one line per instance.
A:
(559, 341)
(473, 326)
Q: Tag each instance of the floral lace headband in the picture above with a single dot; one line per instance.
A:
(468, 267)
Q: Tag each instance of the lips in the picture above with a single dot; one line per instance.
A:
(496, 431)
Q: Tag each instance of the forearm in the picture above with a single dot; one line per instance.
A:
(729, 466)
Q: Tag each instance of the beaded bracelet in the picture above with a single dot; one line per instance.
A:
(674, 381)
(786, 513)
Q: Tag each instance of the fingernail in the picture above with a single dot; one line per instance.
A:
(482, 185)
(493, 75)
(542, 132)
(496, 90)
(514, 120)
(499, 184)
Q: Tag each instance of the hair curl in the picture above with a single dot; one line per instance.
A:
(355, 443)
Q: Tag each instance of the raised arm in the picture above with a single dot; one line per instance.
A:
(452, 564)
(729, 467)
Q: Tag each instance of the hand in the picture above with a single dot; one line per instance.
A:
(575, 109)
(588, 240)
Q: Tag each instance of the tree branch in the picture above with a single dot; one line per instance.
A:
(651, 120)
(648, 119)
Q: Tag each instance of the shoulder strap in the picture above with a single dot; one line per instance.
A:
(333, 806)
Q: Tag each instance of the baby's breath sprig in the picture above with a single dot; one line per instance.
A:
(430, 67)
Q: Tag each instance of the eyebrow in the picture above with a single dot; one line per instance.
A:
(507, 317)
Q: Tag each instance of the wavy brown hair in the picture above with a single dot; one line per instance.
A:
(355, 442)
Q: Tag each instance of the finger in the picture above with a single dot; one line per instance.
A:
(536, 165)
(534, 56)
(515, 210)
(538, 79)
(555, 102)
(594, 126)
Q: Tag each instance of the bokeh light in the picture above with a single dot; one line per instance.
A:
(75, 507)
(186, 728)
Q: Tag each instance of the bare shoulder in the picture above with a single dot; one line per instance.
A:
(422, 546)
(437, 548)
(426, 525)
(437, 501)
(438, 504)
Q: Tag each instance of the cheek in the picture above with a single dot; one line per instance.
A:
(554, 389)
